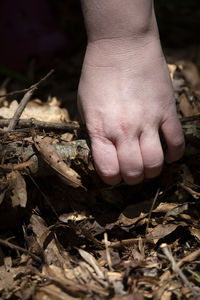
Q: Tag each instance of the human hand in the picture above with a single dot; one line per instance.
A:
(125, 97)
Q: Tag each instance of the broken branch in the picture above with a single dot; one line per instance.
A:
(48, 126)
(24, 102)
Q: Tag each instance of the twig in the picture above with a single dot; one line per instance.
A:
(33, 123)
(193, 273)
(190, 119)
(151, 209)
(189, 258)
(194, 194)
(178, 270)
(24, 102)
(14, 167)
(107, 251)
(123, 243)
(15, 247)
(74, 287)
(14, 93)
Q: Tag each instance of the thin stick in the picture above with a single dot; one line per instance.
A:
(24, 102)
(73, 287)
(107, 251)
(14, 93)
(178, 270)
(48, 126)
(122, 243)
(15, 247)
(189, 258)
(14, 167)
(190, 119)
(150, 212)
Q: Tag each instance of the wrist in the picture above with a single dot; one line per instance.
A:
(122, 51)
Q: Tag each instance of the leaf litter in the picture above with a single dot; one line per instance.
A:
(66, 235)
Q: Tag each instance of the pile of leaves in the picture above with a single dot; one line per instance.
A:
(66, 235)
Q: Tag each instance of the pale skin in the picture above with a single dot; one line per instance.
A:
(125, 93)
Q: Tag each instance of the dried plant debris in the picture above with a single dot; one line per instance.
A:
(66, 235)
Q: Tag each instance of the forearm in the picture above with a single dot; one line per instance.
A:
(118, 19)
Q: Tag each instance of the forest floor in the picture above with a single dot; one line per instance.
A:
(64, 234)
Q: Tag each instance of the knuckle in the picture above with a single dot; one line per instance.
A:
(134, 177)
(134, 180)
(125, 127)
(134, 174)
(157, 164)
(109, 173)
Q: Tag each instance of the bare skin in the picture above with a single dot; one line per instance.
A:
(125, 93)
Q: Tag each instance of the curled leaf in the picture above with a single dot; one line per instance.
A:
(51, 157)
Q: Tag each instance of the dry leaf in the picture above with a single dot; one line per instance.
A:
(195, 232)
(47, 112)
(52, 292)
(52, 158)
(160, 231)
(135, 212)
(166, 295)
(92, 262)
(172, 68)
(190, 72)
(18, 186)
(165, 207)
(132, 296)
(51, 252)
(177, 210)
(187, 108)
(6, 278)
(73, 216)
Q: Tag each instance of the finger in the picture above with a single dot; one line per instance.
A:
(152, 153)
(106, 160)
(130, 162)
(173, 134)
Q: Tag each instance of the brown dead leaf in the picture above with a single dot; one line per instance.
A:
(195, 232)
(52, 158)
(129, 214)
(187, 108)
(172, 68)
(177, 210)
(47, 243)
(56, 275)
(73, 216)
(92, 262)
(165, 207)
(132, 296)
(6, 278)
(135, 212)
(190, 72)
(131, 221)
(47, 112)
(54, 271)
(18, 187)
(160, 231)
(52, 292)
